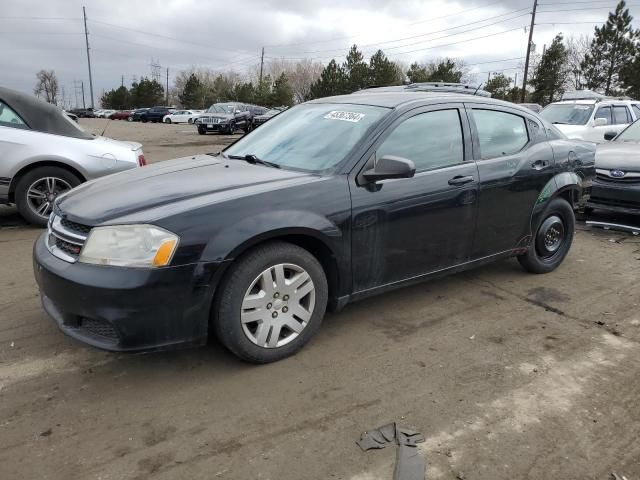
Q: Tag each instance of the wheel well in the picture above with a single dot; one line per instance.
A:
(314, 246)
(571, 195)
(32, 166)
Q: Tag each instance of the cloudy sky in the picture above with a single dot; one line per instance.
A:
(127, 36)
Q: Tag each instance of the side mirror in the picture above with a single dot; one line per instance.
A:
(608, 136)
(600, 122)
(389, 167)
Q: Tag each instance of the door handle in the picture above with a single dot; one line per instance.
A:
(460, 180)
(539, 164)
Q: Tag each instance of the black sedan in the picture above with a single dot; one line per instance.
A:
(617, 184)
(331, 201)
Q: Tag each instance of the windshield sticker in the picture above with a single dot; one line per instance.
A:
(345, 116)
(582, 107)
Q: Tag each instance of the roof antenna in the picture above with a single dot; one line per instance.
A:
(478, 88)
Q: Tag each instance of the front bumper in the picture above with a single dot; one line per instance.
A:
(616, 197)
(125, 309)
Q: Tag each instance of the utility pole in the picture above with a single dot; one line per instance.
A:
(489, 77)
(261, 66)
(82, 85)
(122, 81)
(167, 87)
(86, 38)
(526, 63)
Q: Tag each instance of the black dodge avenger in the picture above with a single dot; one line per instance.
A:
(329, 202)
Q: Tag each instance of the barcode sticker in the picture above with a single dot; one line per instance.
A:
(344, 116)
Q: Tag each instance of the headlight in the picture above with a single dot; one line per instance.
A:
(129, 246)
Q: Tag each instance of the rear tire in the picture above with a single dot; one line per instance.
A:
(271, 303)
(552, 238)
(168, 120)
(143, 120)
(35, 195)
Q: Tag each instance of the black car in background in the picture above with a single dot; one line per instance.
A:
(137, 113)
(332, 201)
(83, 112)
(617, 183)
(226, 118)
(155, 114)
(268, 115)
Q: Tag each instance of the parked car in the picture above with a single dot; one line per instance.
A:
(225, 118)
(588, 116)
(83, 112)
(617, 183)
(44, 154)
(104, 113)
(182, 116)
(332, 201)
(268, 115)
(533, 107)
(155, 114)
(137, 113)
(121, 115)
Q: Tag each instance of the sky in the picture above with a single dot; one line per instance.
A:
(127, 36)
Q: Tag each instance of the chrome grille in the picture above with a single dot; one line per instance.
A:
(210, 120)
(65, 238)
(606, 176)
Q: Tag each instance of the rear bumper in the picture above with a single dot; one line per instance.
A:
(615, 197)
(125, 309)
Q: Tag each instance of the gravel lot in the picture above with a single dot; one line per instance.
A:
(508, 375)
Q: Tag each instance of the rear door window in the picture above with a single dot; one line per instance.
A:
(620, 115)
(500, 133)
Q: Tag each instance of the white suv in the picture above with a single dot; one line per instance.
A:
(590, 118)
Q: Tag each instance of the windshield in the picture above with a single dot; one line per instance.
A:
(567, 113)
(311, 137)
(221, 108)
(630, 134)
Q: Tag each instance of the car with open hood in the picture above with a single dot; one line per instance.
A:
(331, 201)
(44, 154)
(617, 183)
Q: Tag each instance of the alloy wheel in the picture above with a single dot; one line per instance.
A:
(278, 305)
(42, 193)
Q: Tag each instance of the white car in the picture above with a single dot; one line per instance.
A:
(182, 116)
(105, 113)
(44, 154)
(590, 118)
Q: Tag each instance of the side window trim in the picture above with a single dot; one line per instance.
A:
(477, 154)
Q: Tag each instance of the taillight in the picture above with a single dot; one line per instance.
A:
(141, 160)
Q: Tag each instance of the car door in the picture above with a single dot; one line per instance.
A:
(515, 162)
(405, 228)
(14, 140)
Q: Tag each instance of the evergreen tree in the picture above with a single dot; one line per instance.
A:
(498, 86)
(263, 91)
(382, 71)
(146, 93)
(245, 92)
(417, 73)
(191, 96)
(630, 77)
(446, 70)
(117, 99)
(356, 70)
(282, 94)
(612, 48)
(332, 81)
(222, 89)
(550, 75)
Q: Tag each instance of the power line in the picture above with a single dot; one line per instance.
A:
(433, 33)
(40, 18)
(433, 19)
(585, 9)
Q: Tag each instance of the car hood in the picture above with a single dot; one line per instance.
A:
(167, 188)
(618, 155)
(571, 131)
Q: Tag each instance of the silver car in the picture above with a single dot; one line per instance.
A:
(44, 153)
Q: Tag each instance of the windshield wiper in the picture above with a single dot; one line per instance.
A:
(253, 160)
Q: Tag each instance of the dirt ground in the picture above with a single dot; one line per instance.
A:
(508, 375)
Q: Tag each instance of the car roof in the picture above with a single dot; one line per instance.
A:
(399, 98)
(40, 115)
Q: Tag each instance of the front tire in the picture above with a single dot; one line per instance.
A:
(231, 129)
(168, 120)
(202, 130)
(271, 303)
(552, 238)
(37, 190)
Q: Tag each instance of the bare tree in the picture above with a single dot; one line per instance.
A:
(301, 74)
(577, 48)
(47, 85)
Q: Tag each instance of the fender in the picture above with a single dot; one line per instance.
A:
(558, 185)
